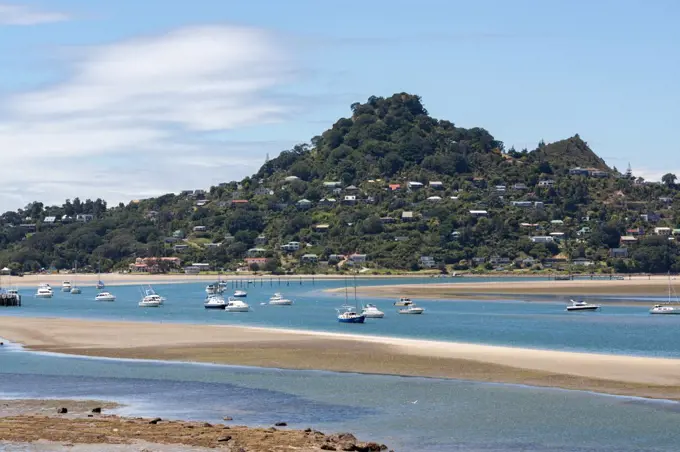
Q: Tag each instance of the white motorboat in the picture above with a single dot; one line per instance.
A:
(236, 305)
(214, 302)
(278, 300)
(581, 305)
(213, 289)
(669, 307)
(240, 294)
(403, 301)
(371, 311)
(75, 290)
(151, 301)
(66, 286)
(411, 309)
(105, 296)
(44, 291)
(149, 291)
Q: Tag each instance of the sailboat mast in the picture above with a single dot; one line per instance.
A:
(345, 291)
(356, 302)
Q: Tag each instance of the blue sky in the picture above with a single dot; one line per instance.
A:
(129, 99)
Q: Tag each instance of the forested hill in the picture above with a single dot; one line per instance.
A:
(390, 187)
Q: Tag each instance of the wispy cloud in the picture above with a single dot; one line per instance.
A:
(158, 99)
(12, 14)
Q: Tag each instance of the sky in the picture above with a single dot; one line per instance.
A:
(126, 99)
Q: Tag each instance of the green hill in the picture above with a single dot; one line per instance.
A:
(387, 188)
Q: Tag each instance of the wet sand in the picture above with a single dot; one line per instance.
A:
(641, 285)
(36, 424)
(263, 347)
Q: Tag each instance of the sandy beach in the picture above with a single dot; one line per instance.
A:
(264, 347)
(638, 285)
(80, 429)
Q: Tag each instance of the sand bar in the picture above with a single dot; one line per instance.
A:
(264, 347)
(640, 285)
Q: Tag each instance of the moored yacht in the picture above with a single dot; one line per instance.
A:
(66, 286)
(371, 311)
(411, 309)
(44, 291)
(279, 300)
(403, 301)
(581, 305)
(105, 296)
(75, 290)
(240, 294)
(214, 302)
(669, 307)
(350, 315)
(236, 305)
(151, 301)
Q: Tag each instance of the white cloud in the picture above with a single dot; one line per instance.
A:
(23, 15)
(156, 99)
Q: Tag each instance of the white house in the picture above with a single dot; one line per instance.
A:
(542, 239)
(479, 213)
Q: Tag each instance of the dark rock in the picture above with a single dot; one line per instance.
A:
(62, 410)
(369, 447)
(226, 427)
(224, 439)
(90, 415)
(328, 447)
(348, 446)
(97, 410)
(271, 429)
(155, 421)
(206, 424)
(227, 418)
(343, 438)
(280, 424)
(308, 430)
(383, 447)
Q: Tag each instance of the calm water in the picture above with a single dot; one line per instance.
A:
(446, 415)
(616, 329)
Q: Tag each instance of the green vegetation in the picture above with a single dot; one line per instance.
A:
(390, 185)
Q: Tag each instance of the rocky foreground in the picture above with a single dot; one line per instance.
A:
(88, 425)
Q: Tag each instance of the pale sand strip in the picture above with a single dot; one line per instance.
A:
(655, 286)
(649, 377)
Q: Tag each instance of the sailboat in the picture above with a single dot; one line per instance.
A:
(100, 283)
(669, 307)
(351, 313)
(75, 290)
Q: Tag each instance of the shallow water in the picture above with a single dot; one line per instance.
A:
(409, 414)
(616, 329)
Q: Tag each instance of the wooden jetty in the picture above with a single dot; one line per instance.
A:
(10, 299)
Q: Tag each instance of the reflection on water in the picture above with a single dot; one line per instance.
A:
(406, 413)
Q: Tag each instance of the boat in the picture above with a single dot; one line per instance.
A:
(151, 301)
(278, 300)
(214, 302)
(150, 291)
(105, 296)
(214, 289)
(44, 291)
(581, 305)
(100, 283)
(349, 314)
(371, 311)
(75, 290)
(240, 294)
(411, 309)
(670, 307)
(236, 305)
(403, 301)
(66, 286)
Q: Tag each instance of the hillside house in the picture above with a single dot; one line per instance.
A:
(598, 173)
(84, 218)
(327, 202)
(520, 187)
(523, 204)
(666, 200)
(620, 253)
(546, 183)
(291, 247)
(662, 231)
(578, 171)
(407, 216)
(228, 238)
(255, 252)
(212, 246)
(335, 258)
(625, 239)
(200, 228)
(303, 204)
(358, 258)
(500, 188)
(309, 259)
(349, 199)
(413, 185)
(394, 187)
(263, 191)
(198, 193)
(582, 261)
(387, 220)
(290, 178)
(351, 189)
(201, 202)
(436, 185)
(542, 239)
(635, 231)
(434, 198)
(332, 184)
(261, 240)
(180, 248)
(239, 202)
(479, 213)
(321, 227)
(496, 260)
(259, 261)
(50, 220)
(427, 262)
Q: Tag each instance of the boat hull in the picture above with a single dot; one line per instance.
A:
(406, 312)
(239, 309)
(281, 303)
(665, 312)
(587, 308)
(149, 305)
(106, 299)
(359, 319)
(239, 295)
(43, 295)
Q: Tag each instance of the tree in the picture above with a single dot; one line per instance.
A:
(669, 179)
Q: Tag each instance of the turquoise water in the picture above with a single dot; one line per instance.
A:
(616, 329)
(446, 416)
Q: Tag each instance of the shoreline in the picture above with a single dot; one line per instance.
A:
(86, 425)
(630, 287)
(647, 377)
